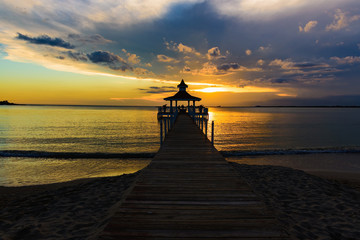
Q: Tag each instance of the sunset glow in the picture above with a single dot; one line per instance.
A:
(92, 52)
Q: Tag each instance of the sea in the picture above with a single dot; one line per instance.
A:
(50, 144)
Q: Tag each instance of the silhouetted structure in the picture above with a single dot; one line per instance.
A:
(168, 115)
(182, 95)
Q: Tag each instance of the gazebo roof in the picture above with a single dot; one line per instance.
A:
(182, 94)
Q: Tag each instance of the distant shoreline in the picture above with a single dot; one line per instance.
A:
(130, 106)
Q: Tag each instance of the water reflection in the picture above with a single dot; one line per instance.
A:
(285, 128)
(33, 171)
(78, 129)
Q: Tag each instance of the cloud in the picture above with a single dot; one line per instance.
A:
(270, 9)
(248, 52)
(186, 69)
(46, 40)
(228, 66)
(155, 89)
(112, 60)
(284, 64)
(310, 25)
(290, 65)
(264, 49)
(186, 49)
(210, 69)
(94, 39)
(346, 60)
(104, 57)
(164, 58)
(182, 48)
(305, 72)
(88, 14)
(260, 62)
(214, 53)
(132, 58)
(341, 20)
(236, 67)
(78, 56)
(282, 80)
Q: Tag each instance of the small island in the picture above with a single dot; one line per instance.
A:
(6, 103)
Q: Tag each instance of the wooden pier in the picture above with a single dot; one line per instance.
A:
(189, 191)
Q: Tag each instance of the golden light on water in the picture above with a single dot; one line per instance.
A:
(34, 171)
(234, 128)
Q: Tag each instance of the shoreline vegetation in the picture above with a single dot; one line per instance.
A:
(80, 209)
(6, 102)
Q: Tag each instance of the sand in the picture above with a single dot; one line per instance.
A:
(308, 206)
(72, 210)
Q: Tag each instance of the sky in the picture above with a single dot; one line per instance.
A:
(135, 52)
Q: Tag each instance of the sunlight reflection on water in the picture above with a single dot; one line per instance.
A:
(79, 129)
(33, 171)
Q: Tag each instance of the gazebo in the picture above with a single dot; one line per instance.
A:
(182, 95)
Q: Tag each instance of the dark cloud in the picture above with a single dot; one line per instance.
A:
(155, 89)
(121, 68)
(112, 60)
(228, 66)
(187, 69)
(46, 40)
(104, 57)
(282, 80)
(309, 65)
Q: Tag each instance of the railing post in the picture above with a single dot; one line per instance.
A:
(212, 132)
(169, 127)
(206, 127)
(161, 132)
(202, 123)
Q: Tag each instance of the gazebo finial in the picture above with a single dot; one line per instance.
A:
(182, 86)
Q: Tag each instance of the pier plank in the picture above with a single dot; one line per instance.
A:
(189, 191)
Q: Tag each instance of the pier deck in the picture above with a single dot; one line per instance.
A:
(189, 191)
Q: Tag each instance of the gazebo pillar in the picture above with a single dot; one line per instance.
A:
(194, 105)
(176, 107)
(171, 110)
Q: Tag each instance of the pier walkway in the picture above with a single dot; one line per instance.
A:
(189, 191)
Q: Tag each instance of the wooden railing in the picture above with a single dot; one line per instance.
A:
(167, 117)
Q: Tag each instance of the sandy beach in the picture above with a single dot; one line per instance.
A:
(70, 210)
(308, 206)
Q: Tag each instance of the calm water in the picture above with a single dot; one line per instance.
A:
(32, 138)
